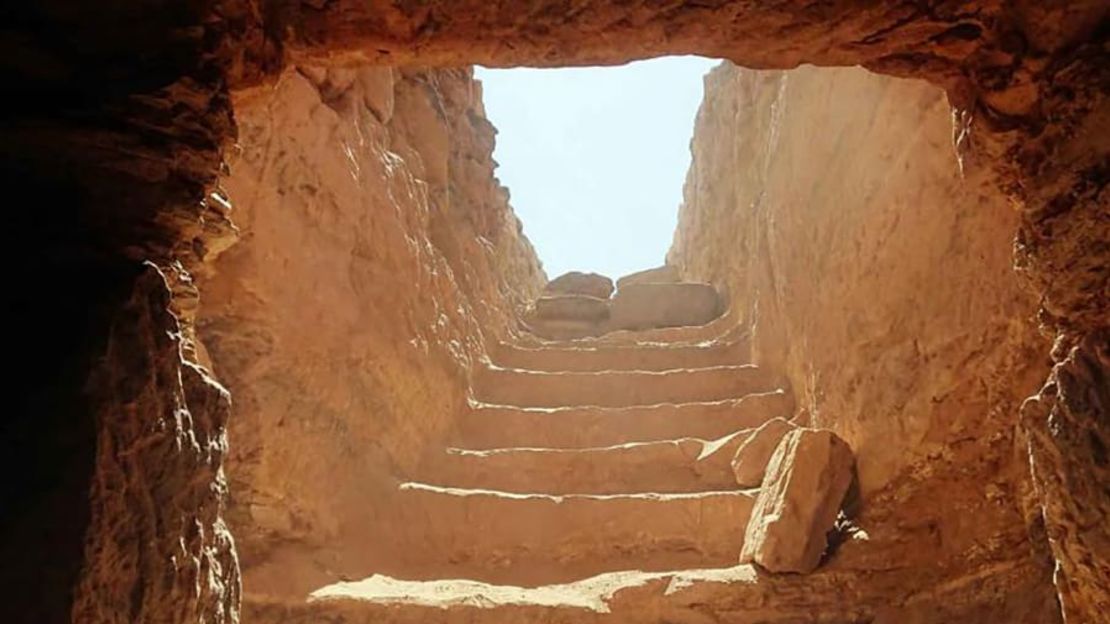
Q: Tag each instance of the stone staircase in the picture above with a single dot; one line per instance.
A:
(590, 479)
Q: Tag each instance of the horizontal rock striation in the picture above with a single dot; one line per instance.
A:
(578, 283)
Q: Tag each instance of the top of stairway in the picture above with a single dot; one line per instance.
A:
(723, 328)
(618, 388)
(649, 356)
(579, 306)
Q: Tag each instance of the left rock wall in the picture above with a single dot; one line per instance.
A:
(377, 257)
(113, 124)
(157, 547)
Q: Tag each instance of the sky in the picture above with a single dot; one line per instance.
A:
(594, 158)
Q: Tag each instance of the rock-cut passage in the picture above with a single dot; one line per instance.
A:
(590, 477)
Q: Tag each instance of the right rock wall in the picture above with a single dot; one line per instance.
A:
(874, 268)
(869, 263)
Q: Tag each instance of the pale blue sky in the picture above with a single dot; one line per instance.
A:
(594, 158)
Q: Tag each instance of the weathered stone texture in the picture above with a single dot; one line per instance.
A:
(664, 274)
(1069, 434)
(578, 283)
(902, 328)
(830, 206)
(752, 456)
(646, 306)
(807, 479)
(128, 108)
(157, 548)
(572, 308)
(378, 254)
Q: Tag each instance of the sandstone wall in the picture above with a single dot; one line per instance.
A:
(830, 203)
(376, 248)
(157, 548)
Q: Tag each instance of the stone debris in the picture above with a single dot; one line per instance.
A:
(578, 283)
(805, 484)
(577, 305)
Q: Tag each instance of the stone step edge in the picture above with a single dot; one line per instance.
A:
(593, 594)
(721, 328)
(706, 344)
(564, 498)
(475, 404)
(708, 447)
(642, 357)
(622, 371)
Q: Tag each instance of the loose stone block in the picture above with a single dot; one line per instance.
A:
(806, 481)
(578, 283)
(659, 275)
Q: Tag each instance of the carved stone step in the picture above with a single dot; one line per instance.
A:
(681, 465)
(496, 426)
(500, 386)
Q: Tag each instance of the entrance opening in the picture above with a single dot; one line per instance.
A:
(595, 157)
(414, 430)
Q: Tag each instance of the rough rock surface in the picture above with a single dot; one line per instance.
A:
(868, 306)
(902, 328)
(1013, 68)
(1069, 435)
(572, 308)
(578, 283)
(179, 562)
(643, 306)
(749, 464)
(807, 479)
(377, 251)
(663, 274)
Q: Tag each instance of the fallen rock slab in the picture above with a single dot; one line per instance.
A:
(659, 275)
(572, 308)
(578, 283)
(647, 306)
(752, 456)
(806, 481)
